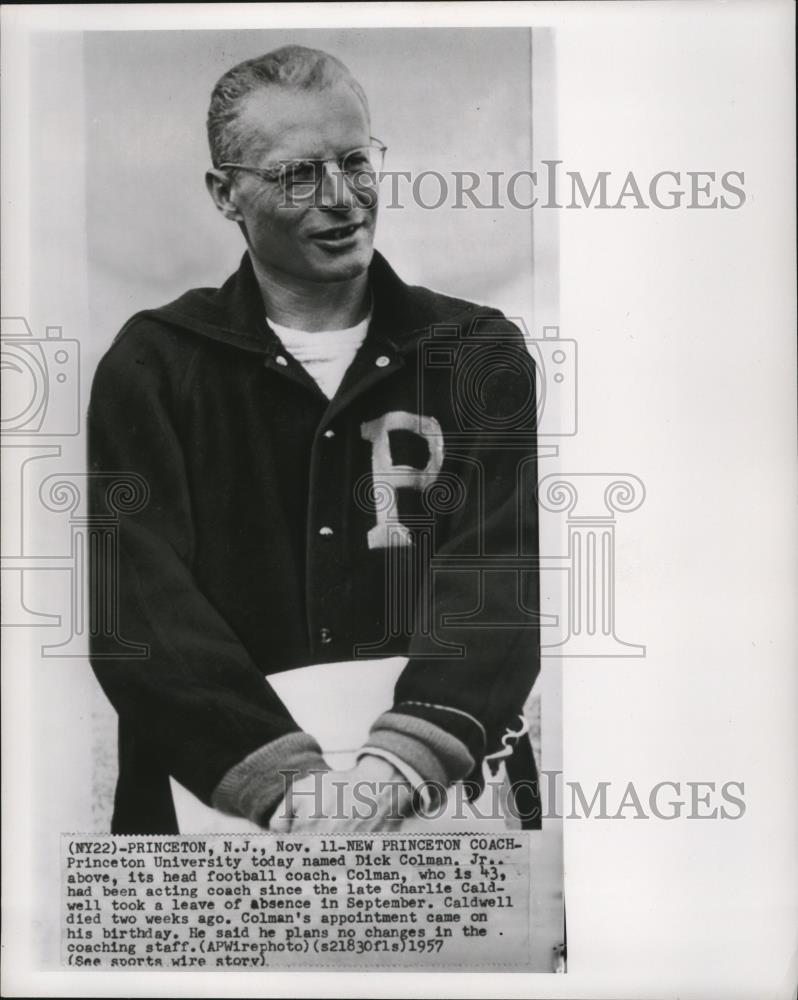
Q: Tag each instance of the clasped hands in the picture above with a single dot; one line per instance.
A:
(371, 796)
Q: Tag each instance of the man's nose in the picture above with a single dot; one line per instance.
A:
(335, 190)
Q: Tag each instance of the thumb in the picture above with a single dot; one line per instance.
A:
(281, 818)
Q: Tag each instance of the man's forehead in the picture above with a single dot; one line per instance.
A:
(286, 123)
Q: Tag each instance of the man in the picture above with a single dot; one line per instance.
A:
(339, 467)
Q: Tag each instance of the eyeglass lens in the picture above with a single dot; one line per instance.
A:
(359, 166)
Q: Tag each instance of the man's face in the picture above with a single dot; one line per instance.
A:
(302, 238)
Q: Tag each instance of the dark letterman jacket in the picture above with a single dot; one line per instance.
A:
(279, 529)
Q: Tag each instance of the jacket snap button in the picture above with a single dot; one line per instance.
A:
(325, 531)
(382, 361)
(281, 360)
(325, 635)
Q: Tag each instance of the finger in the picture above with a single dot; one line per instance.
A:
(390, 823)
(281, 821)
(308, 798)
(401, 808)
(389, 805)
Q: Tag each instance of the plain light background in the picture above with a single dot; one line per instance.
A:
(685, 322)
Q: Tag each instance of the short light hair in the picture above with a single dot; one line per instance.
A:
(292, 66)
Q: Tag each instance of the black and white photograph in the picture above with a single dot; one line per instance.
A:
(397, 540)
(333, 467)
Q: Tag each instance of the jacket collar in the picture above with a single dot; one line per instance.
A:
(234, 314)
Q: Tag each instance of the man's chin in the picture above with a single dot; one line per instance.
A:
(342, 267)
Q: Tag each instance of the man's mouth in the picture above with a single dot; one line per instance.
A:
(337, 234)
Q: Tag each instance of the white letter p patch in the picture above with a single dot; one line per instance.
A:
(387, 477)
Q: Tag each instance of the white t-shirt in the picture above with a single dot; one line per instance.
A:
(325, 354)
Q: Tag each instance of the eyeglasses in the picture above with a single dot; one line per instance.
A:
(301, 179)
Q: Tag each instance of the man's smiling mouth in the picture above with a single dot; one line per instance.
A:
(337, 233)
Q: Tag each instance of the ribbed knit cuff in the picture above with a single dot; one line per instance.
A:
(435, 754)
(258, 783)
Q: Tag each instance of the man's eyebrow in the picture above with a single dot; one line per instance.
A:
(319, 155)
(311, 153)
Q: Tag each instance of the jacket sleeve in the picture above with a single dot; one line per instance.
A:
(196, 696)
(474, 654)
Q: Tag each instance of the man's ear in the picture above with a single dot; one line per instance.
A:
(220, 189)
